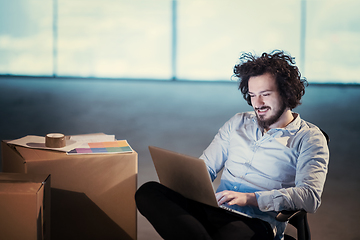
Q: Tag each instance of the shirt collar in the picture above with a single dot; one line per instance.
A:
(294, 126)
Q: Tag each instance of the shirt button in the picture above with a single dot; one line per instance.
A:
(235, 187)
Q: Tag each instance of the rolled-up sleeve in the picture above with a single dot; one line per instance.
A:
(311, 170)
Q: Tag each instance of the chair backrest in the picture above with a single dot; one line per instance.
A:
(326, 136)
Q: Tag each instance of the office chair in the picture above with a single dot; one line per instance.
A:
(298, 218)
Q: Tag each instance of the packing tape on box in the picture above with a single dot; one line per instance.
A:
(55, 140)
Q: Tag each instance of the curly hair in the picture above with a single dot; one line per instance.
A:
(288, 78)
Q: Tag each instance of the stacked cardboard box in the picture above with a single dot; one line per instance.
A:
(24, 206)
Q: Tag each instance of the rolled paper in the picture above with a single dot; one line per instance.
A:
(55, 140)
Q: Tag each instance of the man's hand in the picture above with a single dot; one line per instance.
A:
(238, 198)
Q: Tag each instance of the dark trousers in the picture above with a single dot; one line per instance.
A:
(176, 217)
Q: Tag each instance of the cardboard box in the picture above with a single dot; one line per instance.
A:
(92, 195)
(24, 206)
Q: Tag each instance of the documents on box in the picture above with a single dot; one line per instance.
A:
(121, 146)
(72, 142)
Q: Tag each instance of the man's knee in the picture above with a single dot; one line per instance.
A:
(146, 189)
(143, 194)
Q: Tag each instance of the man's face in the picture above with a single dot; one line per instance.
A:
(266, 100)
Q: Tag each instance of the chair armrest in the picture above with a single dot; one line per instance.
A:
(286, 215)
(299, 220)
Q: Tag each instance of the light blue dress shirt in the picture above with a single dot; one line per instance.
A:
(285, 167)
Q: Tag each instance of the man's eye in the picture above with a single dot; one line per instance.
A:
(266, 94)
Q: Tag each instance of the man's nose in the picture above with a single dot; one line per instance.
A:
(257, 101)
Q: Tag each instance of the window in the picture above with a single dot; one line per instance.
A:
(110, 38)
(333, 41)
(212, 34)
(133, 38)
(26, 37)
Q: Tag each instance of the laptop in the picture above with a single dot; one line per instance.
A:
(186, 175)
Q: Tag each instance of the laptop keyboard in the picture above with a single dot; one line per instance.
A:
(234, 211)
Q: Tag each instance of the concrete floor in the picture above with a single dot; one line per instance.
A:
(184, 117)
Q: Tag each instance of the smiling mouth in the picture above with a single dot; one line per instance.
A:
(262, 110)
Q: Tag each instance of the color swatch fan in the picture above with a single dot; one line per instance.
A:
(120, 146)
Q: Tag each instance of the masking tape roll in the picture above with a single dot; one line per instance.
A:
(55, 140)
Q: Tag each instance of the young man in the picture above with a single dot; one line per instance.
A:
(272, 160)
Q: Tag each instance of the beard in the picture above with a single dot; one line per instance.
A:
(266, 123)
